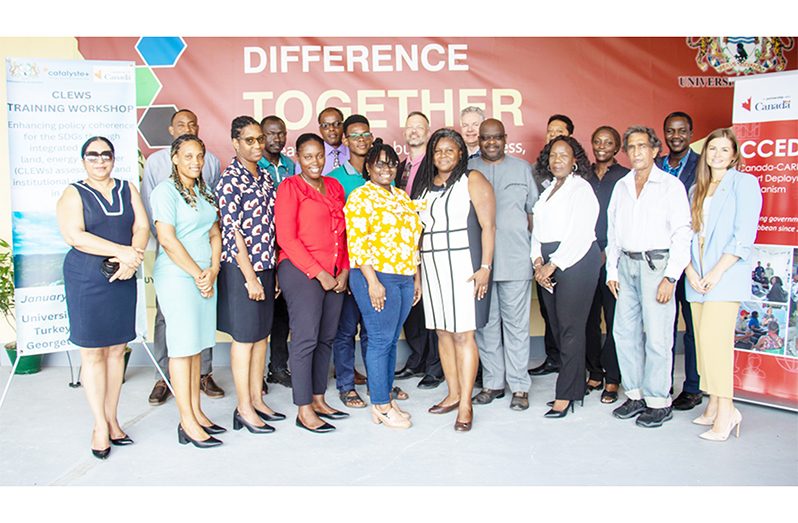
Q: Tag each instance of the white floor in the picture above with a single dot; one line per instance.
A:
(45, 433)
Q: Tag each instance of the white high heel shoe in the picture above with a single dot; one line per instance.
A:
(735, 421)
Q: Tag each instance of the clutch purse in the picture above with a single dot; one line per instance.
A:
(108, 268)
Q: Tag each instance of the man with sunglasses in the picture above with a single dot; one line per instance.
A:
(158, 168)
(357, 139)
(504, 341)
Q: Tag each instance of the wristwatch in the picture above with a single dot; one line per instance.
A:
(488, 266)
(670, 280)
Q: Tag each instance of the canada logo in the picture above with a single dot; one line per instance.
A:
(741, 55)
(747, 104)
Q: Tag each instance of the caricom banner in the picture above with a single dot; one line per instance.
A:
(766, 336)
(521, 81)
(53, 107)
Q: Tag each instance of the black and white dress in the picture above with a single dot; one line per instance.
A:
(451, 251)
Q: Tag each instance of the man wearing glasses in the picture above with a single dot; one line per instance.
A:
(504, 341)
(331, 128)
(158, 168)
(357, 140)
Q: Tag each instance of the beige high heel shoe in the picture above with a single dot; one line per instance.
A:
(705, 421)
(735, 421)
(390, 419)
(395, 405)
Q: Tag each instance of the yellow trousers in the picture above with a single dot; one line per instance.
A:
(713, 324)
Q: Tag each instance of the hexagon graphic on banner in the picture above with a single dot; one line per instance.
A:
(154, 123)
(160, 51)
(147, 86)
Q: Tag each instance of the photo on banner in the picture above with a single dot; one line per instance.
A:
(53, 107)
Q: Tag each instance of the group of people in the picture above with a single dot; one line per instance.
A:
(443, 244)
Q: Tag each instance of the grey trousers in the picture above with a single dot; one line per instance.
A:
(643, 331)
(504, 341)
(160, 353)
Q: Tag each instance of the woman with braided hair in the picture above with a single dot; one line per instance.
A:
(184, 213)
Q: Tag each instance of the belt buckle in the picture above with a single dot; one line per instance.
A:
(650, 262)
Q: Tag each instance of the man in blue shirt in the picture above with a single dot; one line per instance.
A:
(279, 167)
(681, 162)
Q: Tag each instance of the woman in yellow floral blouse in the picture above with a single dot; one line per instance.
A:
(382, 229)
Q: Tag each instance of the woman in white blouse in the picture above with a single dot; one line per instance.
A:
(567, 260)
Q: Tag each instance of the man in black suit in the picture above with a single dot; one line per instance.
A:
(681, 161)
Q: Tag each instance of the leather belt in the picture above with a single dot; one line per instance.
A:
(648, 256)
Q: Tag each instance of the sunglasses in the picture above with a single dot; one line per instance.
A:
(95, 157)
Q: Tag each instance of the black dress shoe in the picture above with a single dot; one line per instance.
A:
(429, 382)
(214, 429)
(185, 439)
(270, 417)
(687, 400)
(239, 421)
(121, 442)
(406, 372)
(337, 414)
(326, 427)
(543, 369)
(101, 454)
(281, 376)
(486, 396)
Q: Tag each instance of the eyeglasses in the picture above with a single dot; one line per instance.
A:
(381, 166)
(489, 137)
(250, 140)
(358, 136)
(95, 157)
(333, 125)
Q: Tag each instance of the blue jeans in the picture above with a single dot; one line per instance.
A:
(643, 331)
(384, 328)
(344, 344)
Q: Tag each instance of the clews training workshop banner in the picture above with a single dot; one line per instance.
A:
(53, 107)
(766, 336)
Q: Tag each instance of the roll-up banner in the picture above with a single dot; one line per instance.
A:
(765, 119)
(53, 107)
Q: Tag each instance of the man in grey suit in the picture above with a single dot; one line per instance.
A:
(504, 342)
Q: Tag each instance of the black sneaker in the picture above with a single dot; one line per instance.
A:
(629, 409)
(651, 418)
(281, 376)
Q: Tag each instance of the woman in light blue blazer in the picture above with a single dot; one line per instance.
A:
(725, 205)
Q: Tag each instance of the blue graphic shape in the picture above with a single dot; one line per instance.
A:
(160, 51)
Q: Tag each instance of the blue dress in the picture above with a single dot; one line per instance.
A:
(101, 314)
(190, 318)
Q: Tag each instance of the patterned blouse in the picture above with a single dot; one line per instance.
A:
(382, 229)
(246, 204)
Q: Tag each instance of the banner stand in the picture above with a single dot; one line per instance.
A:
(143, 344)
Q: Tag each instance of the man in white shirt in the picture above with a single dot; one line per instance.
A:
(648, 247)
(157, 169)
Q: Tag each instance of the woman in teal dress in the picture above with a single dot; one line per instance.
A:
(185, 216)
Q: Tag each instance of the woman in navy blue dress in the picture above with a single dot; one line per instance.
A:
(104, 221)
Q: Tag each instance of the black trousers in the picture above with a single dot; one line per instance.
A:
(568, 310)
(601, 358)
(278, 343)
(313, 315)
(423, 343)
(549, 339)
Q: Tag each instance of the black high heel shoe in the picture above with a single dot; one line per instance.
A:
(185, 439)
(121, 442)
(101, 454)
(277, 416)
(239, 422)
(551, 403)
(326, 427)
(336, 414)
(214, 429)
(559, 413)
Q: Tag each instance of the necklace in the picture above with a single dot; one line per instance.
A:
(318, 189)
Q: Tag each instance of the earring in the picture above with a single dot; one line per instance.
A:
(573, 169)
